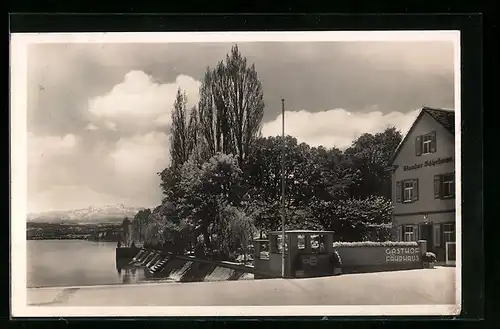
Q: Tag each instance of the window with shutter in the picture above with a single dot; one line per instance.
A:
(400, 233)
(437, 235)
(415, 229)
(414, 196)
(418, 145)
(437, 186)
(444, 186)
(398, 191)
(448, 186)
(433, 142)
(426, 141)
(409, 190)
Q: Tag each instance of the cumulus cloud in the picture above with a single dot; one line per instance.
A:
(91, 127)
(338, 127)
(110, 125)
(43, 147)
(140, 157)
(129, 168)
(47, 157)
(68, 197)
(140, 100)
(164, 119)
(112, 87)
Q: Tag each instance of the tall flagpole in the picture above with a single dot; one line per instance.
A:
(283, 188)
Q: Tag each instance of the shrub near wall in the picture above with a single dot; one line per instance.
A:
(370, 256)
(375, 244)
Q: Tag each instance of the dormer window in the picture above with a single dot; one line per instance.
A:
(425, 144)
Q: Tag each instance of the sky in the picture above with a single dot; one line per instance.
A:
(98, 115)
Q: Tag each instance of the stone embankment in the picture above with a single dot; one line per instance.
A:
(190, 269)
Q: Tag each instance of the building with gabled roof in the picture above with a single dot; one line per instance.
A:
(423, 183)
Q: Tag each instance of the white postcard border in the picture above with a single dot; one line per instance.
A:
(18, 78)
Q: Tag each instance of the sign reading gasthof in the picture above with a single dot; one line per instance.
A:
(402, 255)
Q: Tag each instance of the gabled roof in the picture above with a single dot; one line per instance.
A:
(445, 117)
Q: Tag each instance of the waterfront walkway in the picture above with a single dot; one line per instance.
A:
(422, 286)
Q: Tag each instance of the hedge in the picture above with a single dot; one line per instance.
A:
(367, 244)
(375, 244)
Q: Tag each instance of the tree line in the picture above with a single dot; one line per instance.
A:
(223, 184)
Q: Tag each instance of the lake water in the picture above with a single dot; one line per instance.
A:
(77, 263)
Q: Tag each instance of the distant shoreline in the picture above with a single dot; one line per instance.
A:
(66, 238)
(106, 232)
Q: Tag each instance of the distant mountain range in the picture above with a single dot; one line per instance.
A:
(105, 214)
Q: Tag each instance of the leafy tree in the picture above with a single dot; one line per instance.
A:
(263, 177)
(206, 190)
(309, 172)
(231, 106)
(139, 224)
(225, 180)
(170, 180)
(184, 130)
(352, 219)
(227, 120)
(235, 231)
(377, 148)
(369, 157)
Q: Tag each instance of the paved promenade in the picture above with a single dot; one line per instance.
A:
(423, 286)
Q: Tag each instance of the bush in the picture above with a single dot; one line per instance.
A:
(429, 257)
(375, 244)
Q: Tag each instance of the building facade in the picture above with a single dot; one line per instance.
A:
(423, 183)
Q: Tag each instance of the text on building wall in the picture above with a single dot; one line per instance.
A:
(428, 163)
(402, 255)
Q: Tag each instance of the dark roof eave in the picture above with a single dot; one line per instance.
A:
(422, 111)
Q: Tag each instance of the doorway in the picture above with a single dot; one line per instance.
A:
(426, 234)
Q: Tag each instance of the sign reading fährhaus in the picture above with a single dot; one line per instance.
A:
(402, 255)
(428, 163)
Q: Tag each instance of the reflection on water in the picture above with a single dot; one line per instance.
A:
(133, 274)
(79, 263)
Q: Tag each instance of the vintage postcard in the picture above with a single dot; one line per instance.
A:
(245, 174)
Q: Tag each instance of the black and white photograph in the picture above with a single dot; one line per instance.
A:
(235, 174)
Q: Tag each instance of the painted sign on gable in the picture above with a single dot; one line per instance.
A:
(428, 163)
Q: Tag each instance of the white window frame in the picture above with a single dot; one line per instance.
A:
(449, 230)
(408, 189)
(408, 233)
(448, 186)
(426, 144)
